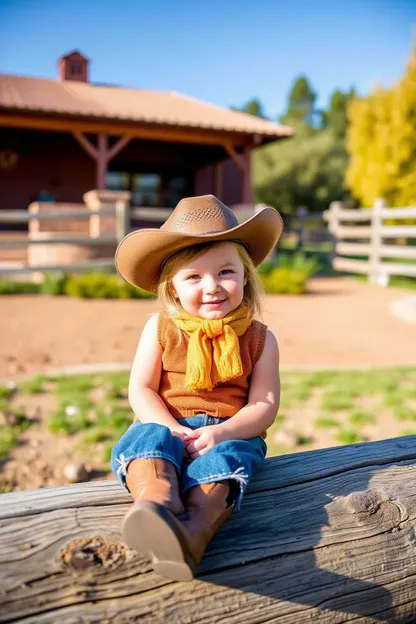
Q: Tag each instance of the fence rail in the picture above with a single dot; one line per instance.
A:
(376, 231)
(362, 238)
(94, 212)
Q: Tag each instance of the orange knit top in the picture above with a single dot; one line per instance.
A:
(223, 401)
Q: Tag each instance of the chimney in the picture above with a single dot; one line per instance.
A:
(73, 66)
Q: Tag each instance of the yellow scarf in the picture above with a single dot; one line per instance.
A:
(213, 350)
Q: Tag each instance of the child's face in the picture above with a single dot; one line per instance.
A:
(212, 285)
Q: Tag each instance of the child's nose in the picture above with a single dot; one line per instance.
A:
(210, 284)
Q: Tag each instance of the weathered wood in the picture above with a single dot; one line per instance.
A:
(324, 536)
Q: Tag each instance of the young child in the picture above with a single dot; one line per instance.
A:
(204, 384)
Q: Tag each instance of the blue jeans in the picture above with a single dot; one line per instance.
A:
(232, 459)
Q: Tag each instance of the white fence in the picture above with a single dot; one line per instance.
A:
(364, 233)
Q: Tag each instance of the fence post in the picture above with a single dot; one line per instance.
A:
(122, 218)
(301, 213)
(334, 220)
(376, 274)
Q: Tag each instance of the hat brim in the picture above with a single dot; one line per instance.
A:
(140, 255)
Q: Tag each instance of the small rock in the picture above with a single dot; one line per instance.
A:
(33, 412)
(285, 437)
(75, 473)
(32, 455)
(71, 410)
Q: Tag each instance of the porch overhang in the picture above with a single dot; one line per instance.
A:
(138, 130)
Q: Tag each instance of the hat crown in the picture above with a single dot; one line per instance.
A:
(200, 215)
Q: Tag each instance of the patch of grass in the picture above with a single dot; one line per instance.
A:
(409, 283)
(279, 419)
(393, 399)
(349, 436)
(336, 401)
(9, 434)
(408, 432)
(402, 412)
(118, 378)
(70, 417)
(319, 379)
(5, 487)
(74, 384)
(361, 418)
(35, 385)
(107, 452)
(98, 435)
(114, 416)
(8, 439)
(326, 422)
(5, 392)
(301, 438)
(294, 394)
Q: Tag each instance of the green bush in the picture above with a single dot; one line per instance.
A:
(102, 286)
(288, 274)
(266, 267)
(10, 287)
(308, 265)
(284, 281)
(54, 284)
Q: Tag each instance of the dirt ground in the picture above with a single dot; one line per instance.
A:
(340, 323)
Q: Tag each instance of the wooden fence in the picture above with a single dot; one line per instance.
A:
(361, 240)
(358, 235)
(107, 218)
(95, 211)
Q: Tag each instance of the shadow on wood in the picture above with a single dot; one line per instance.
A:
(324, 536)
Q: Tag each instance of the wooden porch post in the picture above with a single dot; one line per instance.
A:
(102, 154)
(247, 189)
(102, 160)
(218, 181)
(244, 162)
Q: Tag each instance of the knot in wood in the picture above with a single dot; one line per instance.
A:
(93, 553)
(367, 502)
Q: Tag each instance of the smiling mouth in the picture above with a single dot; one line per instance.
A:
(213, 302)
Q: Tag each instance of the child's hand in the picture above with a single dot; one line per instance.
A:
(203, 439)
(184, 433)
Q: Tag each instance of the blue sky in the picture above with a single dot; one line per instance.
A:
(222, 51)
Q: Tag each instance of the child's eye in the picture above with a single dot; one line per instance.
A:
(193, 277)
(225, 271)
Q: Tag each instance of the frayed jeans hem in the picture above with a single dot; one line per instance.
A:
(214, 479)
(124, 463)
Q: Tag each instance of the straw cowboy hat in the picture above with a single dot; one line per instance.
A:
(195, 220)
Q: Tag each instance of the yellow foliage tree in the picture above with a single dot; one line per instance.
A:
(381, 143)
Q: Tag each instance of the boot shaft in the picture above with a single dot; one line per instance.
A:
(154, 480)
(207, 509)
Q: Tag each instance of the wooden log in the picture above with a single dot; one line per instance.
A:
(324, 536)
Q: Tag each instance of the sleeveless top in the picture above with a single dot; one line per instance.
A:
(223, 401)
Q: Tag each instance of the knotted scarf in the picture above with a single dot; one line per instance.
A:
(213, 350)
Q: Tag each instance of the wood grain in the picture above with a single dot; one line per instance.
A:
(326, 536)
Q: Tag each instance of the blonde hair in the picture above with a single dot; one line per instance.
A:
(252, 290)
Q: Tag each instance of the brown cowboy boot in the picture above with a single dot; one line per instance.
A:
(180, 544)
(153, 483)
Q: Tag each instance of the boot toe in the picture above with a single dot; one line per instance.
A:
(152, 531)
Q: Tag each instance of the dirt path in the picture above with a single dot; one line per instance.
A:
(341, 323)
